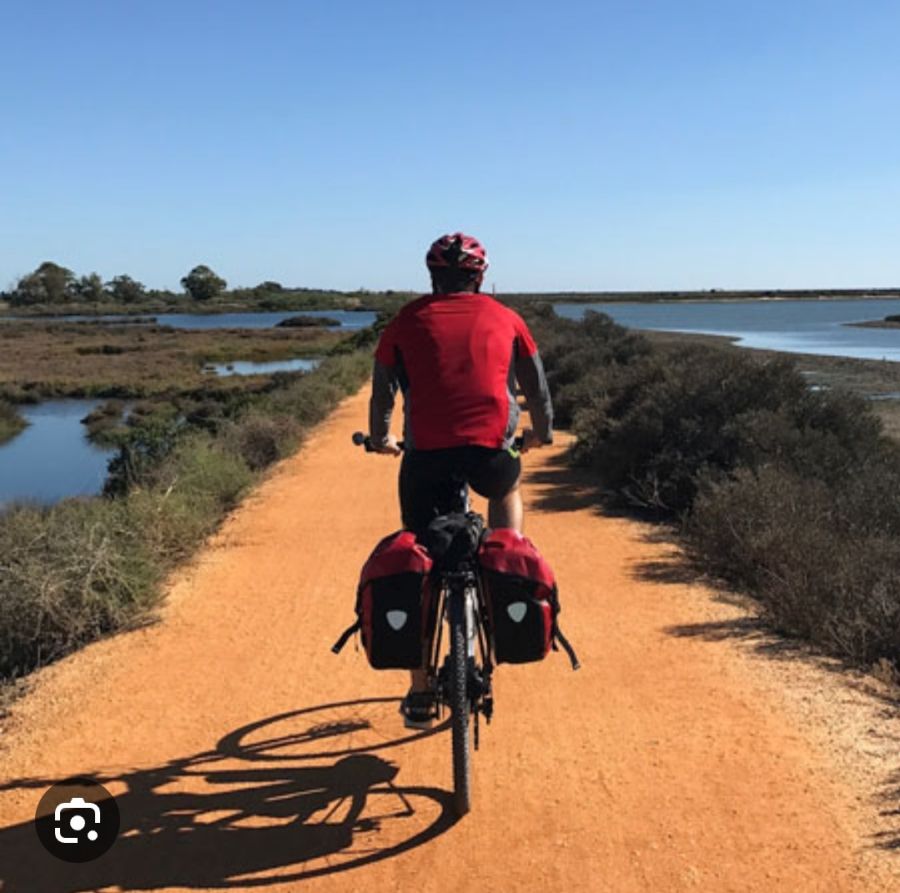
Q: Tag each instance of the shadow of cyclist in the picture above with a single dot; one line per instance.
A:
(210, 821)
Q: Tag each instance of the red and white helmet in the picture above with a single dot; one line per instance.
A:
(457, 251)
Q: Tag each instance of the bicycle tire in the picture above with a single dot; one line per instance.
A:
(459, 708)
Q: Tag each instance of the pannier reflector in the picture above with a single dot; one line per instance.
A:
(516, 611)
(397, 619)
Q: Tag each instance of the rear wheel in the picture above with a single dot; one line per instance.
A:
(459, 707)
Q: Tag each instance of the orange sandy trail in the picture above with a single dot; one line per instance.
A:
(656, 767)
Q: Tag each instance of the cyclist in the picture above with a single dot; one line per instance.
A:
(456, 355)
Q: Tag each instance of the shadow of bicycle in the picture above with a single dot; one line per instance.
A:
(210, 820)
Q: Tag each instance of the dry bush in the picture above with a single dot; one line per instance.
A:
(261, 440)
(823, 561)
(69, 575)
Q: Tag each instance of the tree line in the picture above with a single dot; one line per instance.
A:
(51, 283)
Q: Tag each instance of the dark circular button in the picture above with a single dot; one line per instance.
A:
(77, 820)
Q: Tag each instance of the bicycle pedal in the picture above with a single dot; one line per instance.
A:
(419, 710)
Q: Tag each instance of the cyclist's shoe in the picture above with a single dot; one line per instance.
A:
(419, 709)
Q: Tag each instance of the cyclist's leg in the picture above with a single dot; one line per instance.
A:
(495, 474)
(431, 484)
(507, 511)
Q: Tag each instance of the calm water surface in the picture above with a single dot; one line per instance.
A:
(245, 367)
(804, 327)
(52, 459)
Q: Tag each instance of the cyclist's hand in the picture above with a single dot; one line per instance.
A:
(387, 447)
(530, 440)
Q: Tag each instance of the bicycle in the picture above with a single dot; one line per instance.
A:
(462, 682)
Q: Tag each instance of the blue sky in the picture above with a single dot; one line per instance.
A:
(590, 145)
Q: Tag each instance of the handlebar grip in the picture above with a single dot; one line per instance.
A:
(363, 440)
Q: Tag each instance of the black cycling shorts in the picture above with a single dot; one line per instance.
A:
(433, 482)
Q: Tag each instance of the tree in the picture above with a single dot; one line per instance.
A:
(48, 284)
(90, 288)
(202, 283)
(125, 290)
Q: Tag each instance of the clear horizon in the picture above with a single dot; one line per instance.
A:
(603, 146)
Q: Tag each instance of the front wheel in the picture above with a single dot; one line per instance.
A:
(459, 707)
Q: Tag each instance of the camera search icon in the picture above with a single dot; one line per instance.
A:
(77, 820)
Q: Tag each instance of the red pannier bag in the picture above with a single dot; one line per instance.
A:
(393, 603)
(521, 597)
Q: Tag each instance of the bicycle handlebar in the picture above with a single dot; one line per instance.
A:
(363, 440)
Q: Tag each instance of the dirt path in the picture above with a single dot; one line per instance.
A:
(245, 756)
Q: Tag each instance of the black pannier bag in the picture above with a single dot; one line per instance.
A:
(452, 540)
(521, 598)
(393, 603)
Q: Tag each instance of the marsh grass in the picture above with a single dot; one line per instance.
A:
(69, 574)
(11, 423)
(105, 424)
(86, 568)
(40, 359)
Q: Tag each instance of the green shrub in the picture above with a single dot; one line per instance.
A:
(104, 424)
(183, 499)
(201, 468)
(681, 414)
(206, 414)
(789, 495)
(311, 397)
(580, 356)
(153, 438)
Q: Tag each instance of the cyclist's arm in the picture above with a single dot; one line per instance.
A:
(381, 404)
(533, 381)
(531, 378)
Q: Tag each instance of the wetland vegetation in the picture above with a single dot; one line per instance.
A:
(188, 445)
(787, 493)
(40, 359)
(11, 423)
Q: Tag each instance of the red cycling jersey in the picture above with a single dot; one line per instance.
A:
(456, 358)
